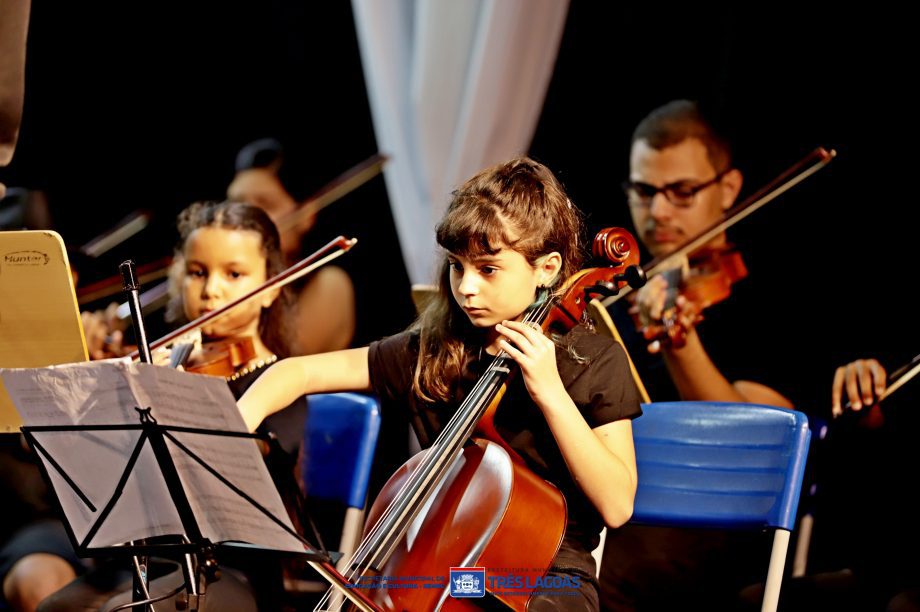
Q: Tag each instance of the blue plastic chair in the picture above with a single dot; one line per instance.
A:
(715, 464)
(340, 436)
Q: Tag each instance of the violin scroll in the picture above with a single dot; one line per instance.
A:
(617, 245)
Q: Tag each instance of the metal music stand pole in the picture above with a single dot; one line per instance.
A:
(198, 572)
(130, 286)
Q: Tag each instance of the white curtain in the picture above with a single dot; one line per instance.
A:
(454, 86)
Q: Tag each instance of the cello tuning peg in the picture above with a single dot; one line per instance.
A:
(634, 276)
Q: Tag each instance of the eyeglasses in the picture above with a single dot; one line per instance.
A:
(680, 194)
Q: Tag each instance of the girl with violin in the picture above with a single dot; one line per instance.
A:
(225, 250)
(508, 232)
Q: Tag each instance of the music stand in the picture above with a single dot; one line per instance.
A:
(150, 509)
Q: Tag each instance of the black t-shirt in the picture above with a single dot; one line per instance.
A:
(601, 388)
(742, 344)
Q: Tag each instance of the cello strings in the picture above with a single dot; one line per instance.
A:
(434, 464)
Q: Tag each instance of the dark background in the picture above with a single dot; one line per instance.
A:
(145, 106)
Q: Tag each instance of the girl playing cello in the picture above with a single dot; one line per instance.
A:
(508, 231)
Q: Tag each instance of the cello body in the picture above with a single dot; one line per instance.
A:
(482, 515)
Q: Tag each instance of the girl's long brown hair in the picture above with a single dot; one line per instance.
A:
(235, 216)
(518, 205)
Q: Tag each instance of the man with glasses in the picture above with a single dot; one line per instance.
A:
(681, 182)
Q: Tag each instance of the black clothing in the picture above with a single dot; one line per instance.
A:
(287, 424)
(740, 348)
(664, 568)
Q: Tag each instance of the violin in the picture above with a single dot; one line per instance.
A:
(222, 358)
(705, 279)
(478, 504)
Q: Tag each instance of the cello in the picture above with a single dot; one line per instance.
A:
(469, 499)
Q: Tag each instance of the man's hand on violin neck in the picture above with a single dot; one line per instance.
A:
(864, 381)
(651, 300)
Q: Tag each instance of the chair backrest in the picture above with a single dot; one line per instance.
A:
(340, 436)
(716, 464)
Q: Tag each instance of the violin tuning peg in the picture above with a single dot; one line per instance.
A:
(634, 276)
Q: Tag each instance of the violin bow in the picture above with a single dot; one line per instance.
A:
(124, 229)
(338, 187)
(788, 179)
(145, 274)
(334, 249)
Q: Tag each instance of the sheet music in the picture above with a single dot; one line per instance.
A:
(106, 392)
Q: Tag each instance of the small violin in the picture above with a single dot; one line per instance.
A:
(705, 279)
(222, 358)
(196, 355)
